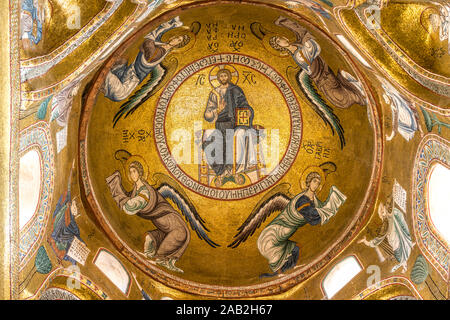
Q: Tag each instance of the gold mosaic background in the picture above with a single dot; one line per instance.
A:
(367, 162)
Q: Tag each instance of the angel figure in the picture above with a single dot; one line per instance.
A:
(393, 236)
(123, 79)
(304, 208)
(315, 77)
(32, 19)
(64, 226)
(167, 243)
(405, 118)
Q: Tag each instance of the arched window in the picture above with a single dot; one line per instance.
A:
(438, 200)
(29, 185)
(430, 201)
(35, 188)
(341, 274)
(113, 270)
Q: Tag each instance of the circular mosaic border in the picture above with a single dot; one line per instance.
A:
(237, 193)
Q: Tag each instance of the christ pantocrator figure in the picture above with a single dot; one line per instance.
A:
(231, 149)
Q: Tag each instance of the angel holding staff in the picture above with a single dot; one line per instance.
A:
(274, 241)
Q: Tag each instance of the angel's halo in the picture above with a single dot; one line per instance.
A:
(425, 19)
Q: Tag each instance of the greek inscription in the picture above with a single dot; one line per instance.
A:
(212, 32)
(250, 78)
(317, 149)
(140, 135)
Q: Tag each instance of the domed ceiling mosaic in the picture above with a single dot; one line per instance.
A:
(235, 133)
(231, 149)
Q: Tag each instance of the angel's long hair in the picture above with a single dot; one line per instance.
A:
(310, 178)
(138, 166)
(273, 43)
(183, 43)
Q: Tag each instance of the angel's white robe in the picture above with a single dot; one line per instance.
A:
(62, 102)
(274, 243)
(399, 238)
(406, 120)
(306, 54)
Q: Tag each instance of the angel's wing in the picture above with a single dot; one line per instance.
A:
(319, 105)
(275, 200)
(170, 189)
(159, 76)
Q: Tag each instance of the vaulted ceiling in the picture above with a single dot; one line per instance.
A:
(333, 123)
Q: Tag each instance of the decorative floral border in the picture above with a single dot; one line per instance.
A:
(62, 272)
(11, 219)
(37, 136)
(58, 294)
(432, 149)
(386, 283)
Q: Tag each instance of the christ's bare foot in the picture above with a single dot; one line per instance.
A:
(240, 179)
